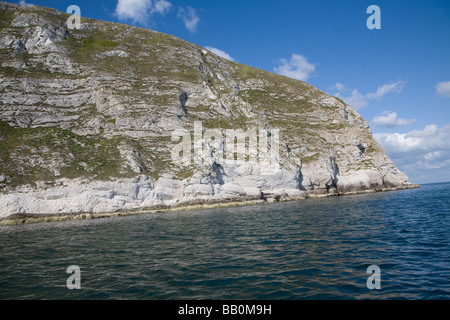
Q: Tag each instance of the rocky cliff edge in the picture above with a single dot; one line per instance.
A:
(90, 119)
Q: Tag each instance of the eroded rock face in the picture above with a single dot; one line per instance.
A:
(87, 117)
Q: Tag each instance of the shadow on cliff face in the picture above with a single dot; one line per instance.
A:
(334, 175)
(219, 173)
(183, 97)
(299, 179)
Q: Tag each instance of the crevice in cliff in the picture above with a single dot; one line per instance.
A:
(219, 173)
(335, 171)
(183, 98)
(299, 178)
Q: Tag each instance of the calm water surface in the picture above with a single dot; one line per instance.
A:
(312, 249)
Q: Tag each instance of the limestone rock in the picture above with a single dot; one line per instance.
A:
(87, 123)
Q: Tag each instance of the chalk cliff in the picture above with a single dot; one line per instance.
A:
(87, 119)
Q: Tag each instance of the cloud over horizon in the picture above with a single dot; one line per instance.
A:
(417, 150)
(430, 137)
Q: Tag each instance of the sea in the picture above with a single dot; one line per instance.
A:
(386, 245)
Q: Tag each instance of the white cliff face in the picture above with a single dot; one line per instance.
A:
(86, 118)
(78, 196)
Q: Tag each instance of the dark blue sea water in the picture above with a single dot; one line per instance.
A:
(311, 249)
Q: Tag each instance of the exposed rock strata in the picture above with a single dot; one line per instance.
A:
(86, 118)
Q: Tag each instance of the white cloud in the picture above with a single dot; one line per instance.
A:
(161, 7)
(24, 3)
(443, 89)
(355, 100)
(358, 101)
(433, 155)
(352, 97)
(398, 142)
(189, 17)
(297, 67)
(395, 87)
(430, 139)
(391, 120)
(424, 155)
(135, 10)
(140, 11)
(339, 87)
(220, 53)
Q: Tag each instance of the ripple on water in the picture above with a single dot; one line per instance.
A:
(313, 249)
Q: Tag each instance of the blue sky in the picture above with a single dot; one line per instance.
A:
(397, 77)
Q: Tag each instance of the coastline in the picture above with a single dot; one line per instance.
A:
(29, 218)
